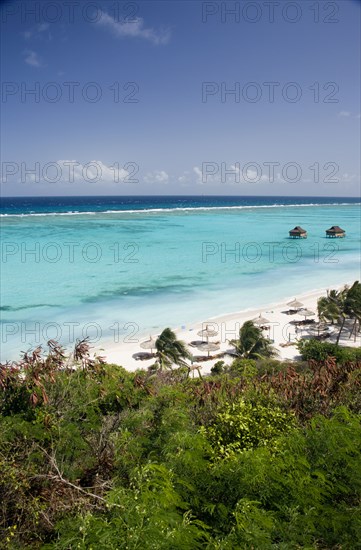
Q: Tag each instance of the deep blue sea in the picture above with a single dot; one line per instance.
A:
(91, 205)
(117, 268)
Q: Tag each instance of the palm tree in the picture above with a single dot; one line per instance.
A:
(328, 307)
(340, 305)
(251, 343)
(170, 350)
(335, 308)
(353, 304)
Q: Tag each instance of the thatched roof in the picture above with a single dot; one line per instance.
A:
(148, 344)
(259, 321)
(295, 303)
(298, 229)
(335, 229)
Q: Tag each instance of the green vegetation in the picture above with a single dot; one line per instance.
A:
(260, 455)
(340, 305)
(251, 342)
(170, 351)
(242, 426)
(314, 350)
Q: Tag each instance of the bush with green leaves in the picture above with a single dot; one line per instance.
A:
(218, 367)
(98, 457)
(314, 350)
(246, 368)
(242, 426)
(149, 513)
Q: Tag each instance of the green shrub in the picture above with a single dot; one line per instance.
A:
(319, 351)
(244, 367)
(218, 367)
(116, 459)
(242, 426)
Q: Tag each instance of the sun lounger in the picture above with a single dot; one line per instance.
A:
(143, 356)
(323, 336)
(290, 312)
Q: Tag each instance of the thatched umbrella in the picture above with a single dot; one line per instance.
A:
(207, 332)
(295, 304)
(208, 346)
(260, 321)
(307, 313)
(148, 344)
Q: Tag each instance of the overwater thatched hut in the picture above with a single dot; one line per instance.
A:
(335, 231)
(298, 233)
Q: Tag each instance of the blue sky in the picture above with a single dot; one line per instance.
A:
(150, 113)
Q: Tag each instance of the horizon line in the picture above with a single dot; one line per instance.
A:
(180, 195)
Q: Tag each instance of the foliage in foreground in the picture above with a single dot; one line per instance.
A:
(314, 350)
(264, 456)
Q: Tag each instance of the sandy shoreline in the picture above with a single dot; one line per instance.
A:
(228, 325)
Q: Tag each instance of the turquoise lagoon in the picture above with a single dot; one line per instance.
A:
(118, 269)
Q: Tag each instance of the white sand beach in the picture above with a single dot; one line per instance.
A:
(281, 331)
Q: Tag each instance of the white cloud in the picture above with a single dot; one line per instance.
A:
(72, 171)
(25, 178)
(184, 178)
(348, 177)
(204, 175)
(227, 175)
(93, 171)
(251, 174)
(134, 29)
(198, 172)
(344, 113)
(43, 27)
(34, 31)
(158, 176)
(32, 58)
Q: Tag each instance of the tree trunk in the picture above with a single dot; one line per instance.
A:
(339, 334)
(354, 330)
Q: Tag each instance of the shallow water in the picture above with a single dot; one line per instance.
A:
(120, 268)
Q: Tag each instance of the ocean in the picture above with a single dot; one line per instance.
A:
(118, 268)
